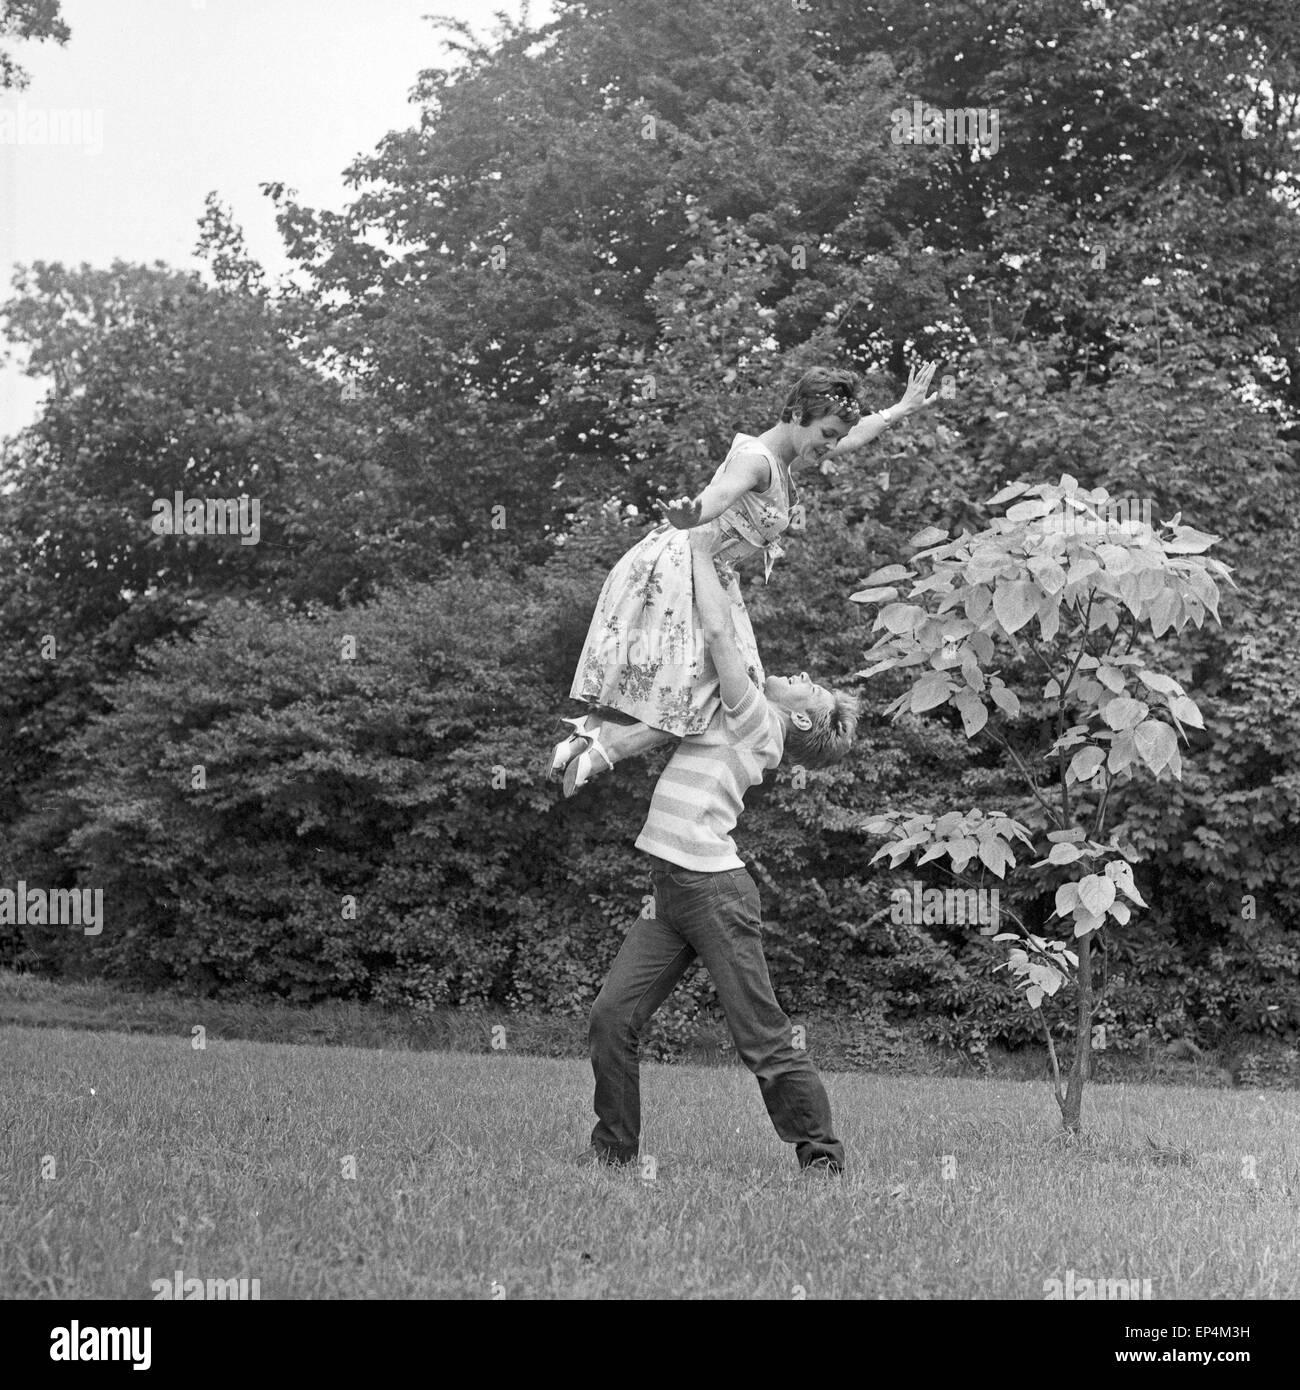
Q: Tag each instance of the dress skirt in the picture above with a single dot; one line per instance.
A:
(645, 654)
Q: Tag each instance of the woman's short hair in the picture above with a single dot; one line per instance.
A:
(823, 391)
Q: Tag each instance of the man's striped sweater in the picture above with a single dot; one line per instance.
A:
(700, 794)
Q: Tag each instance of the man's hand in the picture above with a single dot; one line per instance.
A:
(709, 543)
(683, 513)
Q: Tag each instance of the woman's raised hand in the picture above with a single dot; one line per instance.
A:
(683, 513)
(918, 383)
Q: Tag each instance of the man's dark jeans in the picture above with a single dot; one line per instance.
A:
(716, 917)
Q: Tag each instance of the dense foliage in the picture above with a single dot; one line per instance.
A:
(603, 248)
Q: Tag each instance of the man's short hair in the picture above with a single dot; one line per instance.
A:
(830, 737)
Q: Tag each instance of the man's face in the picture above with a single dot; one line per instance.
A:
(798, 695)
(813, 442)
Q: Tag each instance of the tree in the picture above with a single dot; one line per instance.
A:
(601, 248)
(161, 384)
(1087, 576)
(505, 253)
(36, 20)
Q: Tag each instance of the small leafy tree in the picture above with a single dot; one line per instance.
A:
(1100, 587)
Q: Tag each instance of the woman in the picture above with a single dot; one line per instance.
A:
(645, 658)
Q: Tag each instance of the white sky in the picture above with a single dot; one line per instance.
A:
(196, 95)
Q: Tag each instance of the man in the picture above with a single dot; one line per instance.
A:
(706, 903)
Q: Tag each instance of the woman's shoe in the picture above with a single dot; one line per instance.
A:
(584, 767)
(568, 748)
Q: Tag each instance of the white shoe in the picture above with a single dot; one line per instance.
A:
(568, 748)
(584, 767)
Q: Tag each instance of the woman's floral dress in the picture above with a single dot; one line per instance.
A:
(645, 653)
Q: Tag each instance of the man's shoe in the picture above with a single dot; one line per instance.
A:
(607, 1158)
(824, 1164)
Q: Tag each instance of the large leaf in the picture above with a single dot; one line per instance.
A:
(1122, 752)
(983, 566)
(1085, 922)
(931, 692)
(1118, 559)
(1048, 572)
(1181, 707)
(1156, 743)
(1161, 684)
(1083, 766)
(1015, 603)
(963, 850)
(1164, 612)
(1006, 700)
(996, 855)
(899, 618)
(1064, 854)
(974, 715)
(1112, 679)
(1007, 493)
(1067, 895)
(1121, 873)
(1096, 893)
(891, 574)
(1030, 510)
(1049, 617)
(1189, 541)
(1123, 712)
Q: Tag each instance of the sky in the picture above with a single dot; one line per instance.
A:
(121, 133)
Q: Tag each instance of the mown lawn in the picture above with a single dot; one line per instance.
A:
(229, 1162)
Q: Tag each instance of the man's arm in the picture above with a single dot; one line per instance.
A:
(715, 619)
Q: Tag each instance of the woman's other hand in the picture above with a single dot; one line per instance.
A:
(683, 513)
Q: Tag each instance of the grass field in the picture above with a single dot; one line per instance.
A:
(229, 1162)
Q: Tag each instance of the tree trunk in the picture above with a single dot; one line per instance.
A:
(1081, 1068)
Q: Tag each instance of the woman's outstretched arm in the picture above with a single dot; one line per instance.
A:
(745, 473)
(913, 399)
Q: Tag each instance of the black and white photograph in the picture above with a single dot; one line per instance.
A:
(649, 651)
